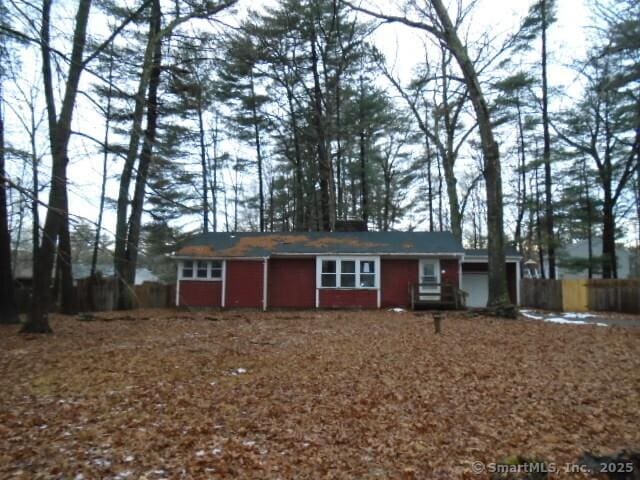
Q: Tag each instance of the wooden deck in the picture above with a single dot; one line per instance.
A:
(447, 296)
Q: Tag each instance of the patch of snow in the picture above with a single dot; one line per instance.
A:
(569, 318)
(200, 453)
(248, 443)
(123, 475)
(79, 477)
(527, 313)
(216, 451)
(564, 321)
(397, 310)
(128, 459)
(579, 315)
(213, 384)
(238, 371)
(573, 322)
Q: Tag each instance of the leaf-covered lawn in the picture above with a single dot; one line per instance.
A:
(166, 394)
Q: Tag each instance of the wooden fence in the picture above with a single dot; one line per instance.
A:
(538, 293)
(102, 295)
(614, 295)
(608, 295)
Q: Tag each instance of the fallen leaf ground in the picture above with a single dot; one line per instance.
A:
(168, 394)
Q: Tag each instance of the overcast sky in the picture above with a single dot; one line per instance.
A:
(402, 47)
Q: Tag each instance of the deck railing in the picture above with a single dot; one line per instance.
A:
(436, 295)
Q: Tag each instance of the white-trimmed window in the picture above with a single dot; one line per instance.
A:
(348, 272)
(201, 269)
(429, 275)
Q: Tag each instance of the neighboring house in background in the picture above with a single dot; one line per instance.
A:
(328, 269)
(23, 273)
(573, 260)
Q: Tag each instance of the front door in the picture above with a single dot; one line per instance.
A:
(429, 275)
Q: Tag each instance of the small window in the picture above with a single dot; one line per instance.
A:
(328, 274)
(429, 275)
(187, 269)
(203, 269)
(348, 273)
(216, 269)
(367, 274)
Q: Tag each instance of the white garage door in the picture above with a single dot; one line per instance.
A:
(477, 286)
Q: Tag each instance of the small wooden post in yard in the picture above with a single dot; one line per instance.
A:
(437, 321)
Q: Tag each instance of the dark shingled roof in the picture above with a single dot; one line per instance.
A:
(483, 252)
(324, 243)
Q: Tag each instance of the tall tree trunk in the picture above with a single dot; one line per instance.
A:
(548, 201)
(298, 184)
(429, 176)
(122, 209)
(325, 170)
(213, 168)
(539, 228)
(364, 187)
(340, 199)
(236, 197)
(449, 157)
(609, 268)
(256, 131)
(440, 209)
(522, 180)
(60, 132)
(103, 189)
(589, 221)
(35, 186)
(205, 171)
(126, 300)
(67, 290)
(8, 308)
(498, 294)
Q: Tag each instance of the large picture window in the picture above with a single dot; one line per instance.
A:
(337, 272)
(201, 269)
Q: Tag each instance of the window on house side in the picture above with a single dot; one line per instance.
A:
(348, 273)
(216, 269)
(187, 269)
(429, 275)
(367, 274)
(328, 274)
(203, 269)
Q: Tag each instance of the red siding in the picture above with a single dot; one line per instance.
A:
(200, 294)
(244, 284)
(292, 283)
(396, 277)
(450, 268)
(340, 298)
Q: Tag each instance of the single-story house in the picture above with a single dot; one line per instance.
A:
(329, 269)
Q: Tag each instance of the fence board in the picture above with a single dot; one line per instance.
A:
(612, 295)
(541, 293)
(575, 295)
(103, 296)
